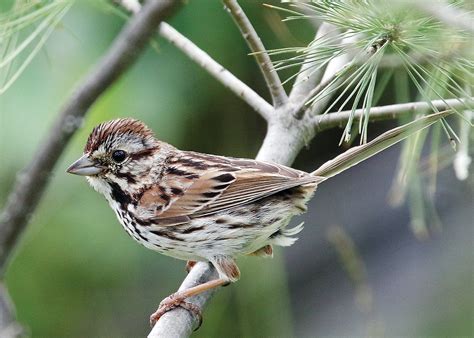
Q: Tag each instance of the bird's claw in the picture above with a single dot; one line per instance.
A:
(174, 301)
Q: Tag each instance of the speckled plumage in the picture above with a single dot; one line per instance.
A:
(195, 206)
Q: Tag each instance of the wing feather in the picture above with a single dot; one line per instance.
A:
(210, 184)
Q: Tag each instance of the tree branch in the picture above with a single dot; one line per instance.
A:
(9, 328)
(32, 182)
(180, 322)
(334, 68)
(393, 111)
(255, 44)
(308, 78)
(200, 57)
(229, 80)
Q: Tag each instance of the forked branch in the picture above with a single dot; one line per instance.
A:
(205, 61)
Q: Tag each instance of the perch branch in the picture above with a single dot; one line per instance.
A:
(255, 44)
(180, 322)
(32, 182)
(285, 138)
(393, 111)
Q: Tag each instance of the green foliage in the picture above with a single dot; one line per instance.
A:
(376, 35)
(76, 273)
(24, 29)
(382, 38)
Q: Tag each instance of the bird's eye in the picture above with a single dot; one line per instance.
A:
(119, 156)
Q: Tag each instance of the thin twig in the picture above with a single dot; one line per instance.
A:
(393, 111)
(325, 82)
(9, 328)
(32, 182)
(255, 44)
(334, 67)
(229, 80)
(200, 57)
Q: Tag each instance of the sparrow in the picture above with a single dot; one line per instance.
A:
(202, 207)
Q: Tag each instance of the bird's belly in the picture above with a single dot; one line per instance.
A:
(240, 231)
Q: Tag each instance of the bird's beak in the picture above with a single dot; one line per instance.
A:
(84, 167)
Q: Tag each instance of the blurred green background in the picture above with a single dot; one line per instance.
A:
(77, 274)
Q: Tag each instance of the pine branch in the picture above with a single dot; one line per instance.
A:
(308, 78)
(393, 111)
(332, 72)
(255, 44)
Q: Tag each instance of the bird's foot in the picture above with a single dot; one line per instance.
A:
(174, 301)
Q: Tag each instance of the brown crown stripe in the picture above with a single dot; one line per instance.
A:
(119, 126)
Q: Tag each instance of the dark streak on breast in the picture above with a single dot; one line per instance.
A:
(165, 197)
(191, 230)
(142, 222)
(166, 234)
(119, 195)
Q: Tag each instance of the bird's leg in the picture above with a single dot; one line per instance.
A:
(178, 299)
(228, 272)
(189, 265)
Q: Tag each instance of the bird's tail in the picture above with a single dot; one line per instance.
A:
(360, 153)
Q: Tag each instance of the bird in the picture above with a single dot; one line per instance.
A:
(202, 207)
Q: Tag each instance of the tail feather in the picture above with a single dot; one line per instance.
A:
(284, 237)
(360, 153)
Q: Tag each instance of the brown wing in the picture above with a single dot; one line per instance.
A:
(213, 184)
(250, 186)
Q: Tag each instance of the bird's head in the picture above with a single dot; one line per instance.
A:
(121, 151)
